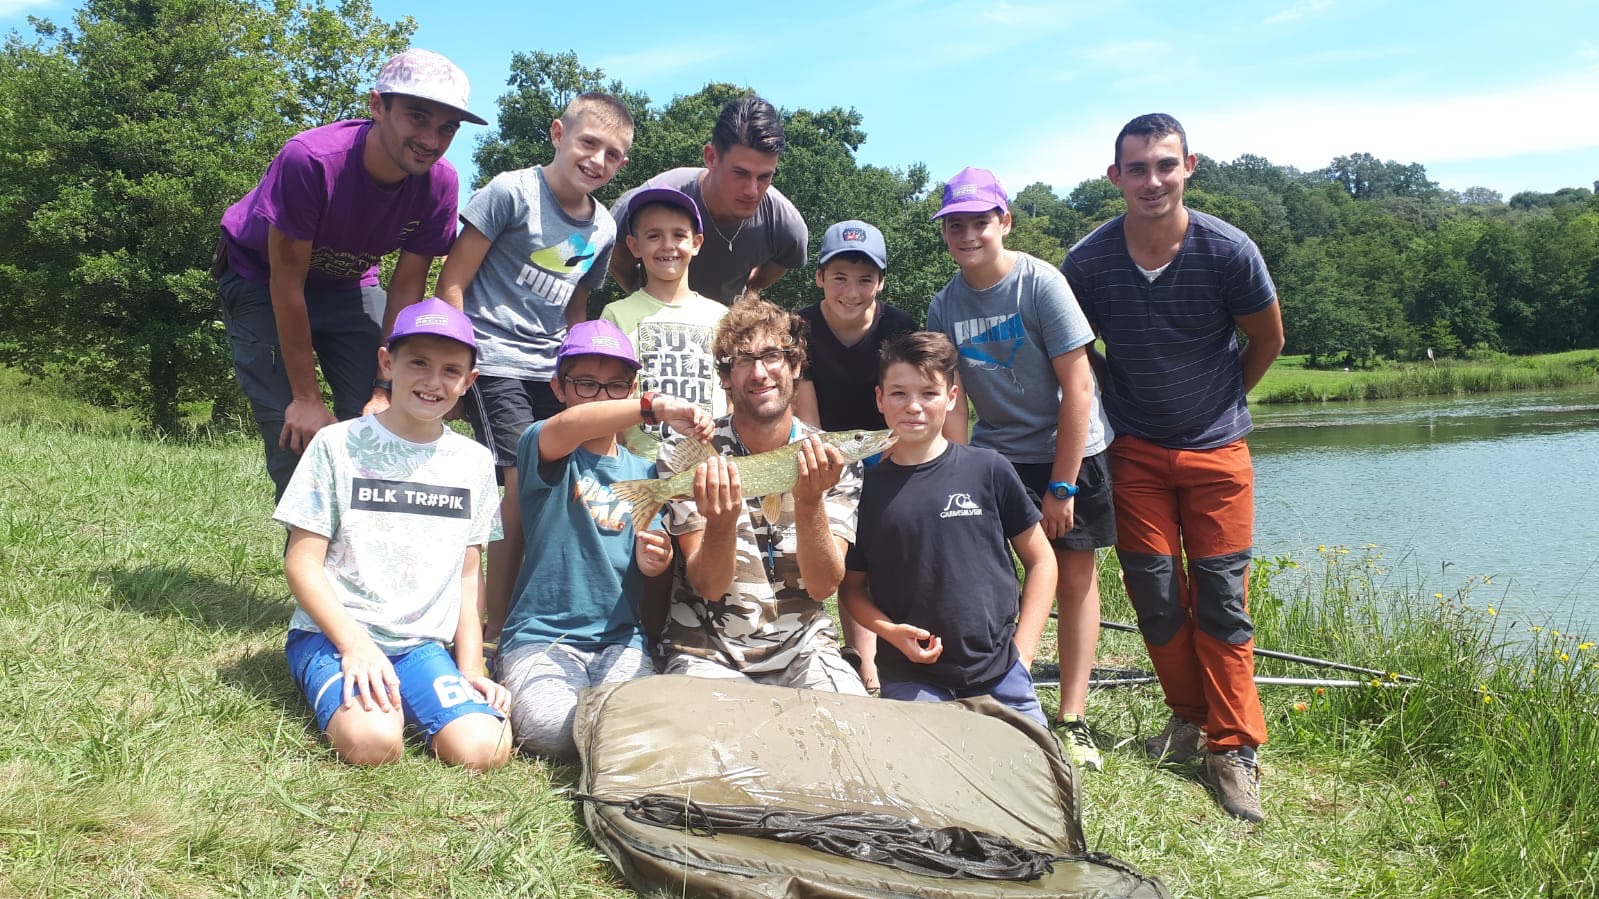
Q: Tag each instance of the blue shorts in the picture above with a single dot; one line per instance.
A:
(1015, 689)
(433, 691)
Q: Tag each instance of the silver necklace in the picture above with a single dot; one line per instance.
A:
(724, 237)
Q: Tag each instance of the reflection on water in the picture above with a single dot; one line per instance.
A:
(1503, 486)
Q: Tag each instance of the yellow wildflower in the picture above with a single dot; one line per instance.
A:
(1585, 646)
(1493, 611)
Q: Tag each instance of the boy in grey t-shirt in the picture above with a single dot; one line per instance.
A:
(1023, 346)
(533, 246)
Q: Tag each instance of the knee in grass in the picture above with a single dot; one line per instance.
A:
(477, 741)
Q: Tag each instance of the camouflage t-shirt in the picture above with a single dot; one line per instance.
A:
(768, 618)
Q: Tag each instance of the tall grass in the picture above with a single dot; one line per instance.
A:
(152, 744)
(1294, 384)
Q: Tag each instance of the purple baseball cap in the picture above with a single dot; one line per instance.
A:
(436, 317)
(597, 338)
(854, 236)
(669, 195)
(425, 74)
(973, 190)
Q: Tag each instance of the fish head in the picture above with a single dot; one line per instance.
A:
(857, 445)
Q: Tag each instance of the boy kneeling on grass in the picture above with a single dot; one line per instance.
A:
(930, 571)
(577, 618)
(388, 515)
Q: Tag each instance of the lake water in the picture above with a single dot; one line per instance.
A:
(1451, 490)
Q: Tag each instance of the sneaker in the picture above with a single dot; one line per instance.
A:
(1236, 778)
(1079, 743)
(1182, 741)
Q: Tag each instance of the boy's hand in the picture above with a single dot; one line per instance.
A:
(493, 692)
(369, 676)
(653, 550)
(918, 645)
(684, 417)
(820, 466)
(1059, 516)
(718, 495)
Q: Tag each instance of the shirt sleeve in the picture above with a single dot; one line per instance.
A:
(1247, 287)
(298, 192)
(1058, 317)
(486, 524)
(790, 237)
(1017, 511)
(491, 209)
(309, 500)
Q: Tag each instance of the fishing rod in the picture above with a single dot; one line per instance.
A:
(1044, 679)
(1283, 656)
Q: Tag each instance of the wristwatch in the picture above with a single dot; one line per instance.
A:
(1062, 490)
(646, 406)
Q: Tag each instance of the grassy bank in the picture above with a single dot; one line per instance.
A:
(151, 743)
(1289, 381)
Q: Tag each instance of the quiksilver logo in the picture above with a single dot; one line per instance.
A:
(959, 505)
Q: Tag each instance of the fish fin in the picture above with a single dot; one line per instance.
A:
(688, 453)
(644, 497)
(772, 506)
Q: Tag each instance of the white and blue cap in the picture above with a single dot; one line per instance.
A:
(854, 236)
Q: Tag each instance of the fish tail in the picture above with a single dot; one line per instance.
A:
(645, 496)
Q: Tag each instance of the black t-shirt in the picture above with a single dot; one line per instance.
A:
(933, 541)
(845, 377)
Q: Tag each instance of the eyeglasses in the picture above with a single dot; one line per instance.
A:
(769, 358)
(587, 388)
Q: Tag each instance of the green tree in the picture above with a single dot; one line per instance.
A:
(123, 140)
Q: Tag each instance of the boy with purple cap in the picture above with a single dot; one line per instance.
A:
(576, 619)
(670, 325)
(387, 521)
(534, 243)
(1024, 363)
(297, 264)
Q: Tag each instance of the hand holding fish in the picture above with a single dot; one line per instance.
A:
(820, 467)
(684, 417)
(718, 495)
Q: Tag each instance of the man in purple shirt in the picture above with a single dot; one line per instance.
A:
(297, 265)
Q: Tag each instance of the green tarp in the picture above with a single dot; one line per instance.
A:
(973, 764)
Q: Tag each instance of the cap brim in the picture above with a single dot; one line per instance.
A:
(882, 264)
(966, 206)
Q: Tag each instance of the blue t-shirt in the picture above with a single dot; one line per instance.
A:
(579, 584)
(1173, 372)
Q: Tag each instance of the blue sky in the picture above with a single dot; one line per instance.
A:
(1502, 95)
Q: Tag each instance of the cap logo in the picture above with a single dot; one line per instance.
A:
(853, 234)
(966, 190)
(605, 341)
(432, 320)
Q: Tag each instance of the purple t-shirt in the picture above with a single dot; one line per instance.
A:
(318, 189)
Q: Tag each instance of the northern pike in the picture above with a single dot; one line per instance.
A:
(767, 475)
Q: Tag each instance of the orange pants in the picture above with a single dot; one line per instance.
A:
(1196, 506)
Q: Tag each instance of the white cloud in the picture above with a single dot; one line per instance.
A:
(1298, 11)
(1308, 131)
(656, 62)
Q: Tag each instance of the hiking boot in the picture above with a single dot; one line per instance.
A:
(1236, 778)
(1078, 743)
(1181, 741)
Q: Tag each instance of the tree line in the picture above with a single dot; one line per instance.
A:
(124, 135)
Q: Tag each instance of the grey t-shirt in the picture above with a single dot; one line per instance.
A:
(775, 233)
(1007, 336)
(538, 257)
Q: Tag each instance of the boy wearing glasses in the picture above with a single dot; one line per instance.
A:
(747, 601)
(669, 324)
(575, 619)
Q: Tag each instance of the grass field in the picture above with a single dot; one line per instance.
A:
(151, 743)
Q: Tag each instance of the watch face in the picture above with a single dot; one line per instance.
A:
(1061, 491)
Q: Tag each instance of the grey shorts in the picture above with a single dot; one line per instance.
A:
(544, 680)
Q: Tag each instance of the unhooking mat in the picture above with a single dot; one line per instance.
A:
(715, 788)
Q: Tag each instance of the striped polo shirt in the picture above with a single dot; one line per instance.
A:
(1172, 354)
